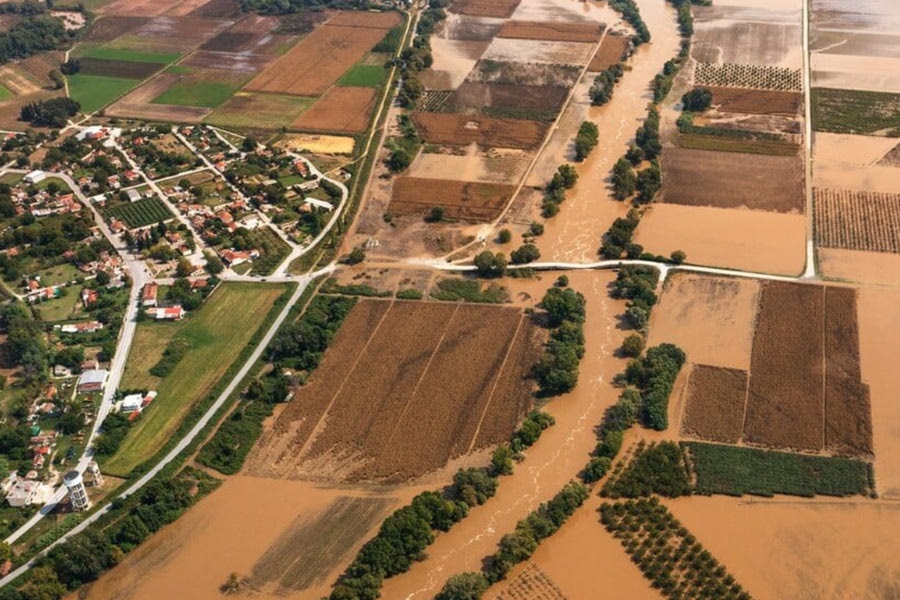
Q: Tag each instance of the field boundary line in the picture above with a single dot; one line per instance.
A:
(318, 428)
(415, 389)
(490, 399)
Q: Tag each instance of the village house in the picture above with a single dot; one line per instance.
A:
(84, 327)
(88, 297)
(148, 295)
(93, 380)
(166, 313)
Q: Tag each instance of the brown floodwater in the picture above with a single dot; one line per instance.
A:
(555, 459)
(574, 234)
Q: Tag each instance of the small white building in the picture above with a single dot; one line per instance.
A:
(92, 380)
(35, 177)
(131, 403)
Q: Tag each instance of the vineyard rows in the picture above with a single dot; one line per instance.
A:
(435, 101)
(141, 213)
(531, 584)
(857, 220)
(749, 76)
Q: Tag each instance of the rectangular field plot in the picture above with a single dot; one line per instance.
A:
(715, 404)
(476, 201)
(612, 49)
(737, 471)
(340, 109)
(263, 111)
(118, 68)
(144, 212)
(853, 111)
(539, 51)
(95, 91)
(762, 102)
(502, 9)
(856, 220)
(462, 130)
(405, 387)
(552, 32)
(520, 73)
(198, 91)
(749, 76)
(524, 101)
(733, 180)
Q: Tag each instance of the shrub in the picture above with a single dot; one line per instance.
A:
(586, 140)
(633, 345)
(697, 100)
(504, 236)
(465, 586)
(525, 254)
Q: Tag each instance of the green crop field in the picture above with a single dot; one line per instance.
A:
(217, 333)
(96, 91)
(138, 214)
(197, 93)
(855, 111)
(131, 55)
(259, 111)
(5, 94)
(363, 76)
(736, 471)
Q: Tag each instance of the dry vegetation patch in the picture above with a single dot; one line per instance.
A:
(522, 73)
(552, 31)
(462, 130)
(715, 404)
(732, 180)
(340, 109)
(470, 200)
(857, 220)
(612, 49)
(764, 102)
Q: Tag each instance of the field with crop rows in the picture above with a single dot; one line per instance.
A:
(715, 404)
(857, 220)
(531, 584)
(141, 213)
(749, 76)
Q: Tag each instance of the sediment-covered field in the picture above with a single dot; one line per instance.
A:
(474, 201)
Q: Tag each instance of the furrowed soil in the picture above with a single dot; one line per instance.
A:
(611, 50)
(715, 404)
(732, 180)
(340, 109)
(472, 201)
(291, 534)
(710, 318)
(524, 99)
(857, 220)
(756, 101)
(462, 130)
(552, 32)
(556, 458)
(799, 549)
(502, 9)
(785, 405)
(386, 410)
(497, 166)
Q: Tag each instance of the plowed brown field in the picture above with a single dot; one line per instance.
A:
(611, 50)
(502, 9)
(715, 404)
(544, 100)
(785, 406)
(405, 387)
(340, 109)
(552, 32)
(455, 129)
(760, 102)
(353, 18)
(475, 201)
(310, 67)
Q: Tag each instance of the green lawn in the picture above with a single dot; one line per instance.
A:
(130, 55)
(95, 91)
(63, 273)
(150, 339)
(61, 309)
(197, 93)
(5, 94)
(291, 180)
(363, 76)
(217, 332)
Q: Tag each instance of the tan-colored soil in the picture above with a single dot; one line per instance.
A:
(498, 166)
(538, 51)
(485, 8)
(340, 109)
(741, 239)
(318, 144)
(557, 457)
(800, 549)
(472, 201)
(760, 37)
(453, 129)
(611, 50)
(856, 265)
(453, 60)
(873, 73)
(552, 32)
(710, 318)
(756, 101)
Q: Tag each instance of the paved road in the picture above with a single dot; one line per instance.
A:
(303, 282)
(810, 270)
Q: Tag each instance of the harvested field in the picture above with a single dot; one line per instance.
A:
(318, 144)
(749, 76)
(856, 220)
(308, 549)
(552, 32)
(340, 109)
(531, 584)
(472, 201)
(612, 49)
(715, 404)
(859, 266)
(848, 413)
(520, 73)
(31, 74)
(533, 101)
(761, 102)
(710, 318)
(139, 8)
(501, 9)
(864, 73)
(314, 64)
(404, 388)
(733, 180)
(106, 29)
(469, 29)
(785, 402)
(118, 68)
(462, 130)
(375, 20)
(537, 51)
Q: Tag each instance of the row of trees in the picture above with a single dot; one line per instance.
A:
(564, 179)
(557, 371)
(631, 13)
(601, 90)
(586, 140)
(417, 58)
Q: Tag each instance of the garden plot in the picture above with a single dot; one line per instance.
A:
(732, 180)
(528, 51)
(442, 377)
(468, 200)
